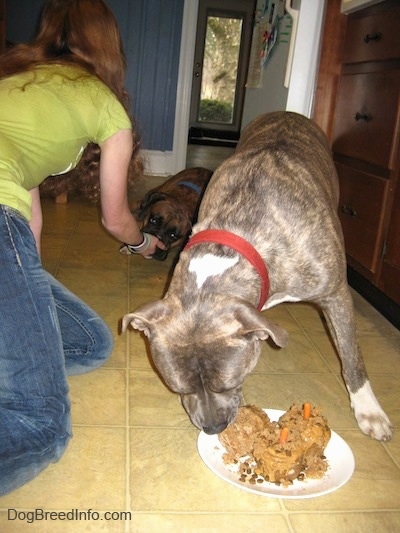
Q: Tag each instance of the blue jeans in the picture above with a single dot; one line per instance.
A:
(46, 333)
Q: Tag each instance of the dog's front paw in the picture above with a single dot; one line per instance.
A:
(370, 416)
(376, 425)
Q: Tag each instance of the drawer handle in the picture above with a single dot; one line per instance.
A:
(348, 210)
(377, 36)
(366, 117)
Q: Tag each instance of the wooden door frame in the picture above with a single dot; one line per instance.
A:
(330, 66)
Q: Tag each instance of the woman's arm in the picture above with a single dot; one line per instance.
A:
(36, 222)
(117, 218)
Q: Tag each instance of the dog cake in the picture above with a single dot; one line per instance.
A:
(279, 452)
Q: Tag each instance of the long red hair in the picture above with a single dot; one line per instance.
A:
(84, 33)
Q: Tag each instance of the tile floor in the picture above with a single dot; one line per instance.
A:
(134, 449)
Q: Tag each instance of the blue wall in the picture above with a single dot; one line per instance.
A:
(151, 32)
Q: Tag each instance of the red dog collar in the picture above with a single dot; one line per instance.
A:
(240, 245)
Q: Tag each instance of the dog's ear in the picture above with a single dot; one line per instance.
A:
(149, 199)
(145, 316)
(255, 325)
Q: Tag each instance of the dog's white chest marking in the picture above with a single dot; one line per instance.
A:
(210, 265)
(278, 299)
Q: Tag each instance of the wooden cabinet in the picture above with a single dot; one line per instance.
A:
(390, 274)
(365, 143)
(366, 119)
(2, 25)
(372, 35)
(363, 198)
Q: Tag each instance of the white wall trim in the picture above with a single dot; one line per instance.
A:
(305, 58)
(157, 163)
(167, 163)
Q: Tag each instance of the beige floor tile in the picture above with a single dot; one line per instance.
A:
(369, 320)
(167, 475)
(324, 344)
(101, 250)
(393, 448)
(373, 347)
(51, 264)
(208, 523)
(90, 475)
(386, 389)
(88, 210)
(148, 280)
(58, 524)
(308, 316)
(53, 248)
(373, 463)
(139, 351)
(281, 315)
(61, 219)
(280, 391)
(99, 397)
(298, 356)
(375, 483)
(99, 285)
(346, 522)
(152, 404)
(111, 314)
(118, 358)
(140, 295)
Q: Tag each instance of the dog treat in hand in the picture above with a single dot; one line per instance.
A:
(279, 452)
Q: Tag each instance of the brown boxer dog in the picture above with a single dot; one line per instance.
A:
(267, 232)
(168, 211)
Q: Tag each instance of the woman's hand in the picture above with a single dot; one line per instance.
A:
(147, 247)
(154, 243)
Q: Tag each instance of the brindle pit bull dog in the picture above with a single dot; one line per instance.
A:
(267, 232)
(169, 210)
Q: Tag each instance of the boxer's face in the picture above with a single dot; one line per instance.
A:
(167, 221)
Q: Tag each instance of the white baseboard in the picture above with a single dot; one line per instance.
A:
(158, 163)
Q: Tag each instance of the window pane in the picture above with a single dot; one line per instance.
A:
(220, 66)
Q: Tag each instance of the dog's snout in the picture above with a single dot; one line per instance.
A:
(213, 430)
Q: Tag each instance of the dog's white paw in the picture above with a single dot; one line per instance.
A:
(377, 425)
(370, 416)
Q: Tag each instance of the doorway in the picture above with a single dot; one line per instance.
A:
(222, 49)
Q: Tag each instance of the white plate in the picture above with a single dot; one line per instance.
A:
(338, 453)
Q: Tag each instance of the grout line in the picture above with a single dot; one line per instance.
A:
(127, 411)
(386, 446)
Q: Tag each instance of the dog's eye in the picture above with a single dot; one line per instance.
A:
(156, 221)
(173, 235)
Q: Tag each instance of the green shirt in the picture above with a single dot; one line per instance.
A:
(47, 117)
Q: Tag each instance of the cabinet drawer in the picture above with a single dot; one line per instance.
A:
(373, 38)
(366, 116)
(361, 209)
